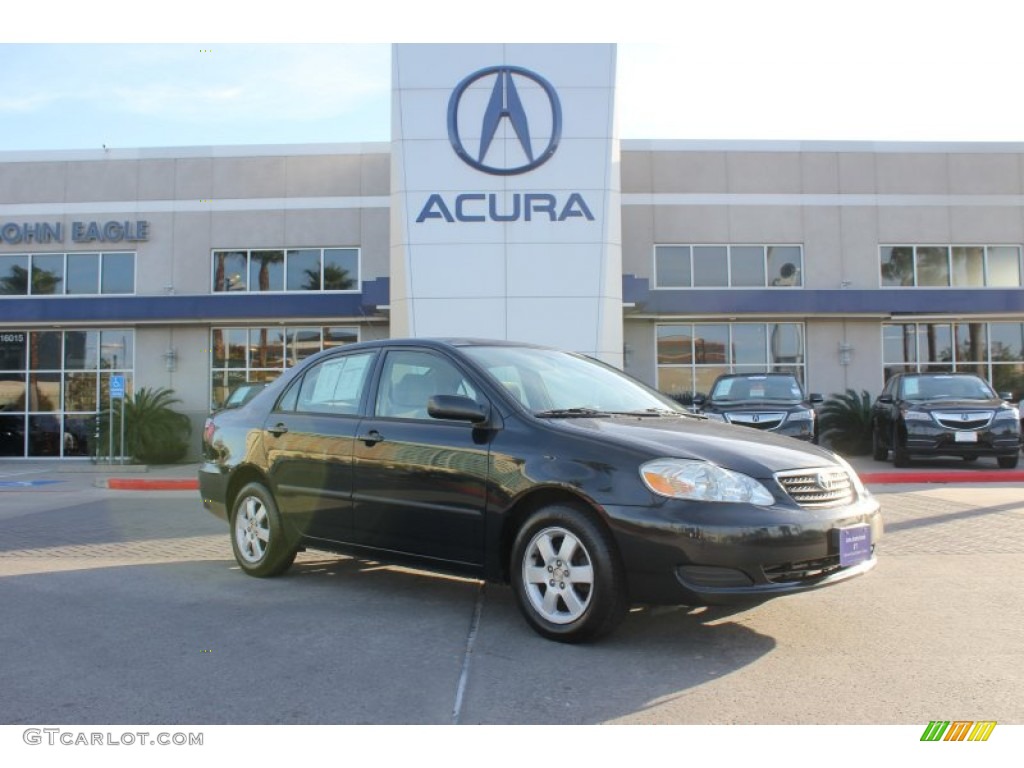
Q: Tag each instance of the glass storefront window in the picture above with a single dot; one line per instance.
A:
(672, 266)
(14, 275)
(746, 265)
(341, 269)
(785, 265)
(117, 350)
(45, 350)
(52, 387)
(229, 271)
(959, 266)
(266, 271)
(81, 349)
(968, 266)
(710, 266)
(12, 350)
(1003, 265)
(932, 265)
(994, 351)
(47, 274)
(240, 355)
(117, 273)
(691, 355)
(897, 265)
(83, 273)
(303, 271)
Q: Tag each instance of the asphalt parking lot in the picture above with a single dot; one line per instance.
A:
(126, 607)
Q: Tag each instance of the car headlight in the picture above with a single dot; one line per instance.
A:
(1007, 414)
(801, 416)
(702, 481)
(916, 416)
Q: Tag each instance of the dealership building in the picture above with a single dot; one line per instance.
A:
(504, 206)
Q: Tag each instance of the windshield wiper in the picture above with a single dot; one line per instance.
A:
(569, 413)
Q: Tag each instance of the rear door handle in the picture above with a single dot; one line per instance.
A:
(277, 430)
(372, 437)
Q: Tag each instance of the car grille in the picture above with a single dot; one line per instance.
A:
(757, 420)
(818, 487)
(964, 419)
(804, 571)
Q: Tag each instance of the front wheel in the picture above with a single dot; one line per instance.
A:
(258, 538)
(1007, 462)
(566, 575)
(878, 451)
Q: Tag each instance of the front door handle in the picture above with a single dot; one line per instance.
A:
(372, 437)
(277, 430)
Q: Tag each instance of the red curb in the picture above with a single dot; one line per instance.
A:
(995, 476)
(133, 484)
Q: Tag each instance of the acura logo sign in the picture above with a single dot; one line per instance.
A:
(531, 120)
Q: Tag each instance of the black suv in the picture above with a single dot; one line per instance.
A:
(944, 414)
(769, 401)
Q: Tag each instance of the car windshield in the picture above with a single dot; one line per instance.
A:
(946, 388)
(555, 383)
(756, 387)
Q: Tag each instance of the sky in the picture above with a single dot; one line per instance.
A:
(104, 73)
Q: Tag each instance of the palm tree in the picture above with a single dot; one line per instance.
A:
(154, 433)
(845, 422)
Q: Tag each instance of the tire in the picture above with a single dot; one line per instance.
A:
(900, 457)
(566, 575)
(878, 451)
(258, 538)
(969, 459)
(1008, 462)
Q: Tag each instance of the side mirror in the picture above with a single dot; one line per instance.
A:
(1007, 396)
(886, 399)
(699, 401)
(816, 398)
(456, 408)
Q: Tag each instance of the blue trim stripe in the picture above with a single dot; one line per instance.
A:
(753, 301)
(199, 309)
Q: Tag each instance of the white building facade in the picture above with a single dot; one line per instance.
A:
(506, 207)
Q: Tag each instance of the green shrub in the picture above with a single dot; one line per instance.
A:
(844, 422)
(154, 433)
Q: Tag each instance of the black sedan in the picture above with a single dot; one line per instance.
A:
(583, 488)
(770, 401)
(943, 414)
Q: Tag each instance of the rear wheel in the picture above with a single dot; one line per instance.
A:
(258, 538)
(566, 575)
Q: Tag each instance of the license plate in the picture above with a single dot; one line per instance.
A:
(965, 437)
(854, 544)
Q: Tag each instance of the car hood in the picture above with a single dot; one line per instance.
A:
(754, 453)
(758, 405)
(994, 404)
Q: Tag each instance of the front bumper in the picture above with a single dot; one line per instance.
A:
(998, 440)
(721, 554)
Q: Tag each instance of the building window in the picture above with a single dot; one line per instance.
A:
(950, 266)
(692, 355)
(67, 274)
(240, 355)
(725, 266)
(286, 270)
(53, 384)
(994, 351)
